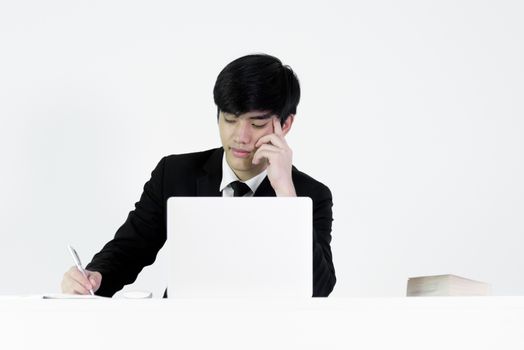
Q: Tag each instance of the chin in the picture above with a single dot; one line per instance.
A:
(240, 164)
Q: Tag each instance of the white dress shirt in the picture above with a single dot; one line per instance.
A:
(228, 176)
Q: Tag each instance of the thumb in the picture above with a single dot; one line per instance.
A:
(95, 278)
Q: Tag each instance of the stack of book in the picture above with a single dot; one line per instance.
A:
(446, 285)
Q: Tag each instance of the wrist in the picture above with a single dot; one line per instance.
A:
(286, 191)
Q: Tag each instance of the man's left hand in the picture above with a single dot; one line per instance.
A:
(274, 149)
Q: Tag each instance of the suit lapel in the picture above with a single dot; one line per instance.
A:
(208, 185)
(265, 189)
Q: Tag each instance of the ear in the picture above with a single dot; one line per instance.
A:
(287, 124)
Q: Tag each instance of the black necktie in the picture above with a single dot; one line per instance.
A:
(239, 188)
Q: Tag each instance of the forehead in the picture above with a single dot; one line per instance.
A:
(257, 114)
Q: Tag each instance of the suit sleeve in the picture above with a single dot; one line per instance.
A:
(137, 241)
(324, 278)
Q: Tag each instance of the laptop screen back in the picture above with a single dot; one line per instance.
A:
(240, 247)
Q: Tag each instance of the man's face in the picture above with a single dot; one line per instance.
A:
(239, 135)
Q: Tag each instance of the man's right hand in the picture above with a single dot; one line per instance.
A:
(74, 281)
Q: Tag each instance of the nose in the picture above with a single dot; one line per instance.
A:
(242, 132)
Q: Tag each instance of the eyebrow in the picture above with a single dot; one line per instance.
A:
(257, 117)
(262, 117)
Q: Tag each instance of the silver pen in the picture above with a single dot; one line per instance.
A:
(78, 264)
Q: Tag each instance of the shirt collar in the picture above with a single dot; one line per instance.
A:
(228, 176)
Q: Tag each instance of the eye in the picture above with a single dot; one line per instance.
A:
(259, 126)
(230, 121)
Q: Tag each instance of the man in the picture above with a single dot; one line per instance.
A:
(257, 98)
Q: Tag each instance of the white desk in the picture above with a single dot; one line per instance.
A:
(495, 323)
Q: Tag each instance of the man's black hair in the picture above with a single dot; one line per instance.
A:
(257, 82)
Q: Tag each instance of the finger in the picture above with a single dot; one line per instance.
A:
(78, 288)
(273, 139)
(71, 286)
(263, 154)
(277, 127)
(80, 278)
(256, 157)
(94, 283)
(95, 278)
(269, 147)
(77, 276)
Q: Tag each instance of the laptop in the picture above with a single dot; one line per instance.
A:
(240, 247)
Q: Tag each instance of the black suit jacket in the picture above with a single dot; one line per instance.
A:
(138, 240)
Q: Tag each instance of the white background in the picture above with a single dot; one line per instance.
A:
(411, 112)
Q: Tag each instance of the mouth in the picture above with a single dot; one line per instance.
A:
(240, 153)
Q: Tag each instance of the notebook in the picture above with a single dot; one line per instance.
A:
(240, 247)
